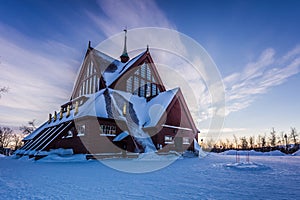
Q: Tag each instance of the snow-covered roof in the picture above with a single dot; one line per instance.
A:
(109, 103)
(157, 106)
(114, 68)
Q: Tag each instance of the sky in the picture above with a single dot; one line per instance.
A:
(254, 44)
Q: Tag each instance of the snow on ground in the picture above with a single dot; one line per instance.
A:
(213, 177)
(2, 156)
(253, 153)
(297, 153)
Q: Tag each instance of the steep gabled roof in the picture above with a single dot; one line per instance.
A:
(108, 68)
(116, 68)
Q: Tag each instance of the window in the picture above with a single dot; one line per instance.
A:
(129, 85)
(169, 139)
(70, 134)
(91, 81)
(186, 140)
(143, 71)
(81, 130)
(148, 90)
(142, 88)
(135, 85)
(107, 130)
(142, 82)
(153, 89)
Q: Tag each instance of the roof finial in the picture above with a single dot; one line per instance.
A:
(124, 57)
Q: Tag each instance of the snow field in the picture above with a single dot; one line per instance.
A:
(213, 177)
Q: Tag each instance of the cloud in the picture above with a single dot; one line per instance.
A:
(258, 77)
(130, 13)
(39, 82)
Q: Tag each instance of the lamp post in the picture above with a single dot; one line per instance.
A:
(286, 145)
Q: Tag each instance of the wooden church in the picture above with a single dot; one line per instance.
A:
(117, 108)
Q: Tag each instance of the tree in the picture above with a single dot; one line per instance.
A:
(251, 141)
(263, 141)
(272, 138)
(3, 90)
(5, 136)
(235, 141)
(29, 128)
(294, 135)
(259, 140)
(16, 140)
(244, 142)
(229, 144)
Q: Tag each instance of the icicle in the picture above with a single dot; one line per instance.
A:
(55, 116)
(76, 108)
(68, 111)
(50, 118)
(124, 109)
(61, 114)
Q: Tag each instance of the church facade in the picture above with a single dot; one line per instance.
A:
(117, 107)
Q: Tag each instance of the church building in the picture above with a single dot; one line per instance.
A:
(118, 107)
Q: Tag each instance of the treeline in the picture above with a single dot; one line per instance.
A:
(11, 140)
(284, 142)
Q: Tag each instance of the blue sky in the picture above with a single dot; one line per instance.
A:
(255, 45)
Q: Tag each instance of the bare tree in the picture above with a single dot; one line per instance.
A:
(251, 141)
(228, 143)
(273, 137)
(16, 140)
(294, 135)
(223, 145)
(3, 90)
(263, 141)
(5, 136)
(29, 128)
(259, 140)
(209, 143)
(235, 141)
(282, 139)
(244, 142)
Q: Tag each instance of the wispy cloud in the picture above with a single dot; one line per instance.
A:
(130, 13)
(258, 77)
(39, 82)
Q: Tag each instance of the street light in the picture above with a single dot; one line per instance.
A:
(286, 145)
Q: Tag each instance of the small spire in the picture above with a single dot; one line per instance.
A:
(50, 118)
(124, 57)
(61, 114)
(76, 108)
(68, 111)
(124, 109)
(55, 116)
